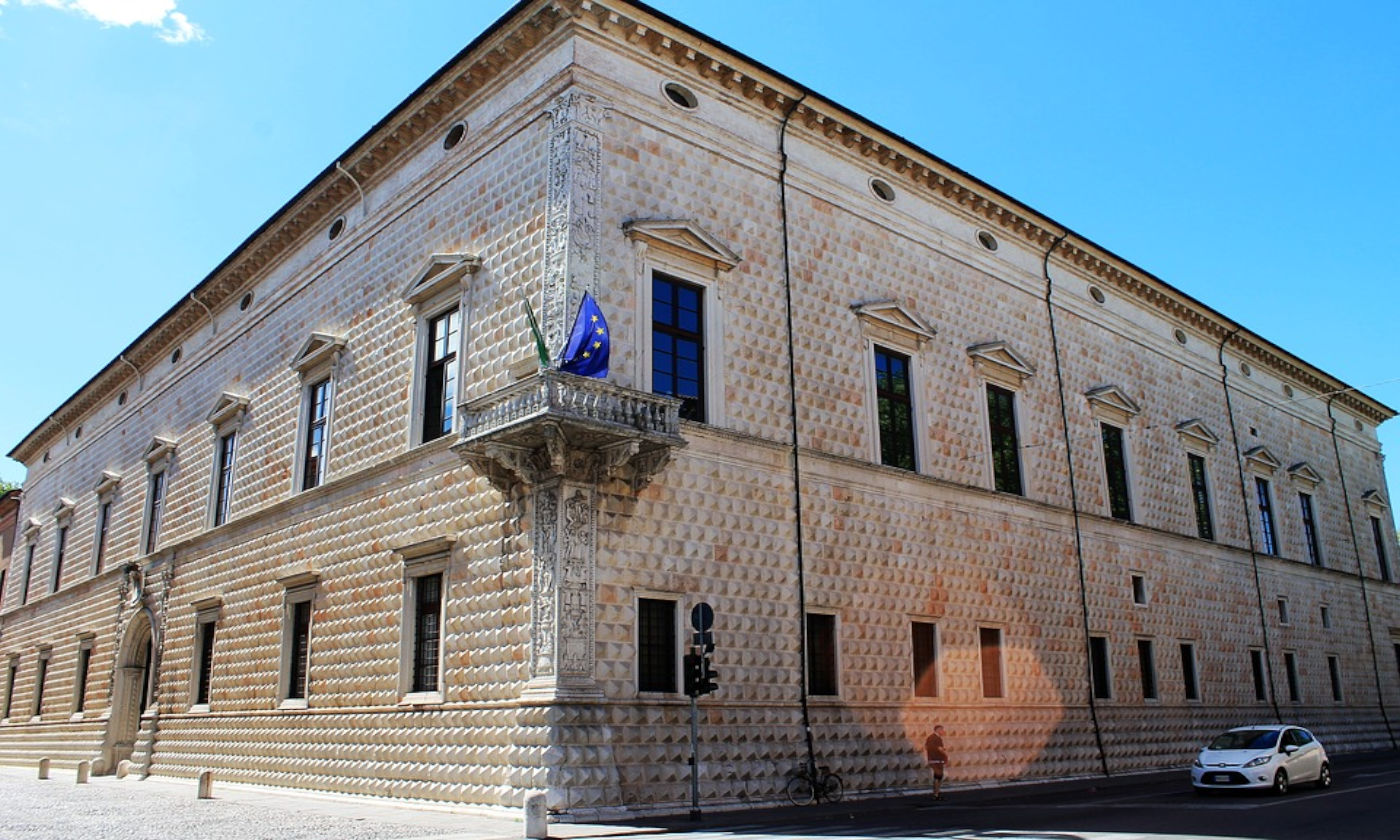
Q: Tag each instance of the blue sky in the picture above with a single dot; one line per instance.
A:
(1245, 152)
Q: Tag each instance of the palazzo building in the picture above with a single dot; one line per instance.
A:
(930, 456)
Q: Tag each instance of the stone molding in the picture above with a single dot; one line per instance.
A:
(1261, 460)
(1112, 404)
(573, 232)
(1196, 432)
(685, 238)
(1303, 473)
(229, 410)
(439, 274)
(893, 322)
(996, 361)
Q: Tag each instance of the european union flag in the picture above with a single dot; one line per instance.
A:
(587, 351)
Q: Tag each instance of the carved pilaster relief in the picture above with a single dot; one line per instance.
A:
(573, 232)
(545, 580)
(566, 525)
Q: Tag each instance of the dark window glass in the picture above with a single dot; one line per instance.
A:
(1269, 544)
(1290, 667)
(427, 631)
(10, 688)
(1120, 504)
(59, 551)
(317, 409)
(1283, 611)
(299, 659)
(28, 572)
(440, 377)
(1098, 667)
(925, 639)
(1006, 456)
(39, 679)
(990, 640)
(1334, 671)
(104, 520)
(896, 409)
(1147, 667)
(1139, 590)
(1379, 537)
(656, 645)
(1188, 672)
(155, 501)
(206, 662)
(1305, 502)
(678, 343)
(223, 478)
(821, 654)
(1200, 497)
(84, 662)
(2, 586)
(147, 674)
(1397, 656)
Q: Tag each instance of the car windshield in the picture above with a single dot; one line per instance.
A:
(1246, 739)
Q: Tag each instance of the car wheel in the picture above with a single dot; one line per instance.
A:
(1280, 783)
(1324, 777)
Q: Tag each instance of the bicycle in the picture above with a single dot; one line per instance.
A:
(804, 787)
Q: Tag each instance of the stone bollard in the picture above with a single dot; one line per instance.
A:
(84, 770)
(536, 817)
(206, 784)
(123, 768)
(44, 764)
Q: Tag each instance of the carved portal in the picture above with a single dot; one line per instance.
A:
(573, 233)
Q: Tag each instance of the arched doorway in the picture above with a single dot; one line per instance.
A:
(132, 690)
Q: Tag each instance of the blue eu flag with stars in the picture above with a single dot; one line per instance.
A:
(589, 343)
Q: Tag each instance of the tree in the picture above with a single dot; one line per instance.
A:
(6, 486)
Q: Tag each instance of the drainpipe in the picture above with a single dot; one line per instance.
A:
(1360, 574)
(1248, 530)
(1074, 508)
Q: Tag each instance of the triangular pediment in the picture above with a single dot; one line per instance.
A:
(892, 319)
(31, 529)
(1113, 403)
(159, 452)
(685, 237)
(1261, 459)
(64, 509)
(227, 408)
(996, 360)
(1195, 431)
(107, 483)
(1303, 473)
(1375, 501)
(439, 274)
(319, 349)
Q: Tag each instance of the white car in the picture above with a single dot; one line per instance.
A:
(1270, 755)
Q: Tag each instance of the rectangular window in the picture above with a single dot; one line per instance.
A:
(39, 679)
(1256, 667)
(1099, 667)
(925, 648)
(989, 639)
(2, 587)
(28, 572)
(1283, 611)
(894, 400)
(1268, 542)
(1115, 463)
(104, 521)
(1147, 666)
(318, 406)
(1305, 503)
(1326, 613)
(299, 649)
(1378, 536)
(1290, 667)
(80, 679)
(1396, 645)
(155, 501)
(60, 549)
(1334, 672)
(223, 477)
(440, 374)
(427, 632)
(821, 654)
(1200, 497)
(1139, 590)
(656, 645)
(10, 674)
(1006, 447)
(1190, 685)
(678, 343)
(204, 661)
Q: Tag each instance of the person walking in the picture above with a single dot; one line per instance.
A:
(937, 759)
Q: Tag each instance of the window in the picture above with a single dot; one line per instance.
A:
(298, 648)
(656, 645)
(894, 400)
(1099, 668)
(1283, 611)
(1290, 667)
(1139, 590)
(203, 659)
(223, 476)
(1334, 672)
(1305, 503)
(28, 572)
(678, 343)
(440, 374)
(40, 677)
(1120, 505)
(1200, 497)
(1326, 614)
(104, 522)
(1190, 685)
(80, 679)
(989, 639)
(925, 649)
(425, 566)
(318, 406)
(1268, 542)
(155, 501)
(1379, 538)
(427, 632)
(13, 671)
(1256, 663)
(1006, 454)
(60, 548)
(1147, 666)
(821, 654)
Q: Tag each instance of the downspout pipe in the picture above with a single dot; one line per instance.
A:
(1360, 572)
(1248, 529)
(1074, 508)
(794, 444)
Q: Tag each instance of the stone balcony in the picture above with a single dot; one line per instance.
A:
(554, 424)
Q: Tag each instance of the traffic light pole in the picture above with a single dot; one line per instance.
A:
(694, 760)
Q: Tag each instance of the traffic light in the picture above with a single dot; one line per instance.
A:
(708, 677)
(693, 670)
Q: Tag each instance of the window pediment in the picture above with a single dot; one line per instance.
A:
(998, 362)
(320, 349)
(63, 511)
(439, 274)
(107, 483)
(1112, 403)
(1375, 502)
(228, 409)
(31, 529)
(433, 548)
(684, 237)
(893, 322)
(300, 579)
(1303, 473)
(1260, 459)
(159, 453)
(1196, 433)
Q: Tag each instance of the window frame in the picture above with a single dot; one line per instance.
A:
(706, 397)
(1147, 669)
(1382, 560)
(11, 677)
(221, 487)
(1258, 670)
(1190, 671)
(1334, 675)
(1117, 471)
(1201, 496)
(30, 547)
(1312, 544)
(1291, 672)
(1283, 616)
(648, 651)
(102, 529)
(1100, 667)
(988, 389)
(422, 560)
(82, 671)
(41, 675)
(829, 664)
(60, 550)
(926, 671)
(443, 307)
(998, 673)
(910, 360)
(1267, 520)
(1138, 582)
(203, 641)
(293, 647)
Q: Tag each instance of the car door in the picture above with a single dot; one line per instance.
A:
(1310, 752)
(1295, 760)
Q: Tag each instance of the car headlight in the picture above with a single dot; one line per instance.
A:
(1255, 762)
(1197, 763)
